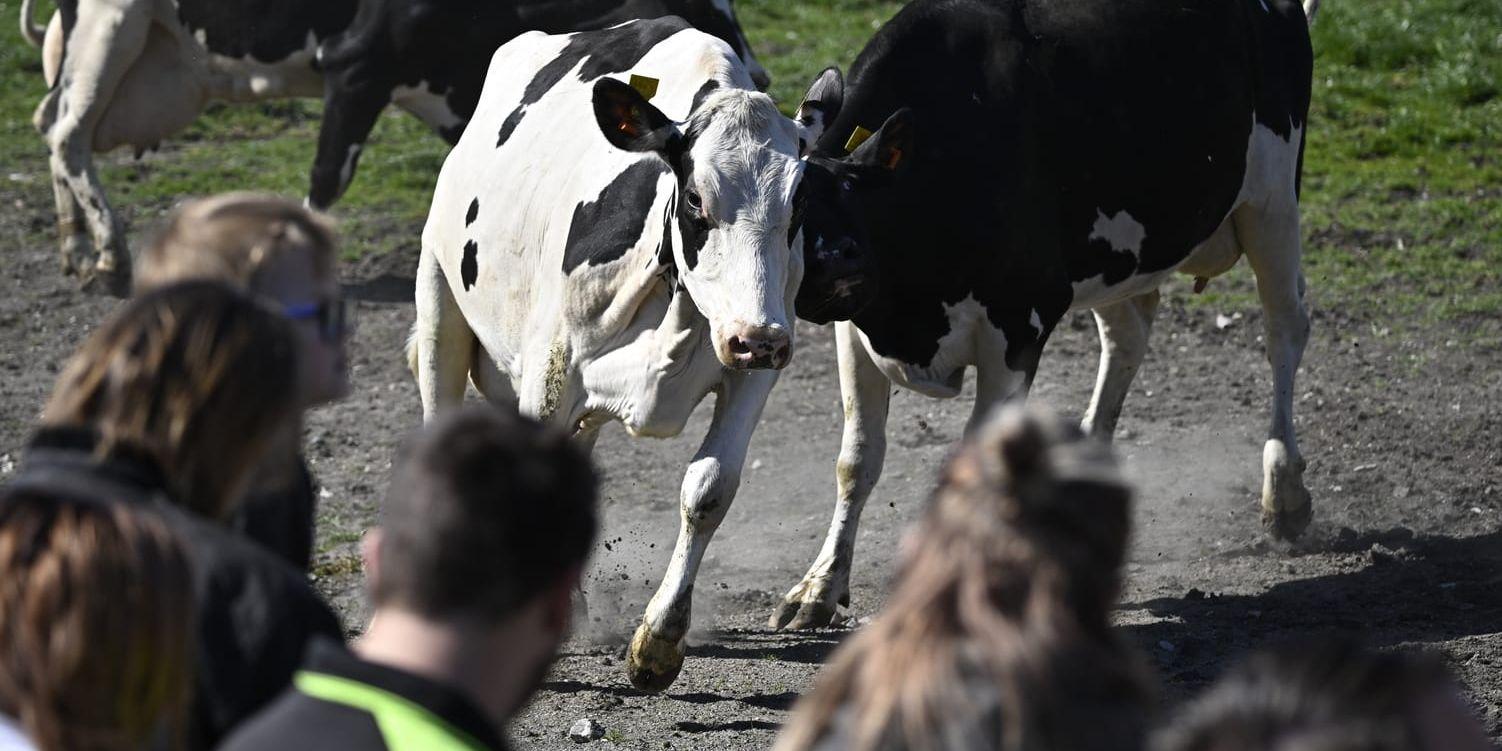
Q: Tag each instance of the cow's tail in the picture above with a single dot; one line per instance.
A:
(412, 351)
(34, 32)
(1311, 8)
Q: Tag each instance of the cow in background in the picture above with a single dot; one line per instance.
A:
(134, 72)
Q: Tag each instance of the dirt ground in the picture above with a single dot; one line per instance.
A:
(1403, 436)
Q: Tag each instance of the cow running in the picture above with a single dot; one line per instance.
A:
(592, 256)
(1032, 158)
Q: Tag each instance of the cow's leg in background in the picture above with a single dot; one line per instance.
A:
(107, 40)
(866, 392)
(352, 102)
(1269, 235)
(709, 486)
(1124, 328)
(442, 349)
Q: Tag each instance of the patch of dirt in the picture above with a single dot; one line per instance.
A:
(1403, 436)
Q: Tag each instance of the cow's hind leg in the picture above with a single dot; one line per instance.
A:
(1124, 328)
(814, 600)
(442, 348)
(1269, 234)
(109, 40)
(709, 486)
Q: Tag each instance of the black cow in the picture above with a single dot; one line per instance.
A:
(430, 57)
(1031, 158)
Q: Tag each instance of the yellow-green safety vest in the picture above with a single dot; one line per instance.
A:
(404, 725)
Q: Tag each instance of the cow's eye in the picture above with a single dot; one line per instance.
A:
(695, 201)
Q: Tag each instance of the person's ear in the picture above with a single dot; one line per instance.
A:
(629, 121)
(819, 108)
(370, 556)
(891, 147)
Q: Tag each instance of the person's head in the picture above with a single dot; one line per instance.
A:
(488, 521)
(1010, 576)
(197, 376)
(272, 248)
(96, 623)
(1328, 694)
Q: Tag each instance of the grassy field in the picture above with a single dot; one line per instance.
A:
(1403, 183)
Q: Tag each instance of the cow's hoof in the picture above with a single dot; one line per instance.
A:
(653, 662)
(795, 616)
(1286, 505)
(807, 606)
(1288, 525)
(107, 284)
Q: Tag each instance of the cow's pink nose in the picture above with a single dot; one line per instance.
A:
(760, 347)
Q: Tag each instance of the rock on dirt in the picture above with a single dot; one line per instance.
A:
(585, 730)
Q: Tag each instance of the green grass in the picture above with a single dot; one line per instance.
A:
(1402, 189)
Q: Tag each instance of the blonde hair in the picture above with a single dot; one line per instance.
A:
(96, 623)
(1010, 578)
(197, 375)
(233, 237)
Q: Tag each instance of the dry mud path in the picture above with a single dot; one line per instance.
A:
(1403, 435)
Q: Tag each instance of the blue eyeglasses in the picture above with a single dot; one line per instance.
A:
(331, 316)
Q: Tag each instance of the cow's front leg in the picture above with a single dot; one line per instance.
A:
(814, 601)
(1124, 328)
(708, 488)
(1270, 237)
(353, 101)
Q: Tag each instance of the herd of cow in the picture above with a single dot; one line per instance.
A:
(626, 224)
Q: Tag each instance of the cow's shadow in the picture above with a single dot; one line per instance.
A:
(1410, 589)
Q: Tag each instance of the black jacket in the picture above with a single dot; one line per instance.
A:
(281, 520)
(298, 721)
(256, 613)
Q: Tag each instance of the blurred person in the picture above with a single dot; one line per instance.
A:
(172, 403)
(96, 625)
(486, 527)
(997, 633)
(278, 251)
(1329, 694)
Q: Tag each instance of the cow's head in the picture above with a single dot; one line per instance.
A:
(844, 197)
(736, 162)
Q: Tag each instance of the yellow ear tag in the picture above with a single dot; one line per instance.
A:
(645, 85)
(857, 137)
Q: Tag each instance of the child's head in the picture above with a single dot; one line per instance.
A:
(274, 249)
(1328, 694)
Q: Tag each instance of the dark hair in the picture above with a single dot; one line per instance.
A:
(1327, 694)
(1008, 585)
(486, 510)
(96, 623)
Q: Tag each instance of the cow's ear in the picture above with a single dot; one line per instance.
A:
(891, 147)
(820, 106)
(628, 120)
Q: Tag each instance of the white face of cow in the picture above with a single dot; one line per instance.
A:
(736, 160)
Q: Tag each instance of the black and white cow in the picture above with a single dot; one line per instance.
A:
(595, 257)
(133, 72)
(1032, 158)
